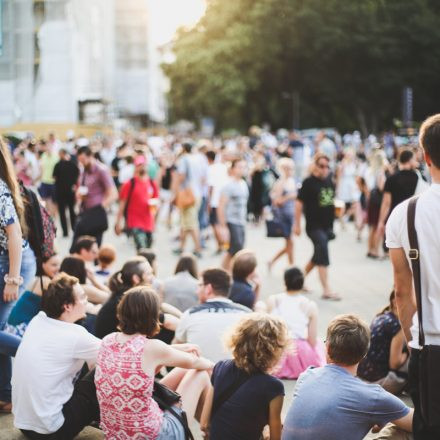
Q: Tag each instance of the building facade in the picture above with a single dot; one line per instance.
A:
(78, 61)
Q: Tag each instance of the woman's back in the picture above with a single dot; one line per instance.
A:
(295, 310)
(375, 365)
(124, 390)
(246, 412)
(180, 290)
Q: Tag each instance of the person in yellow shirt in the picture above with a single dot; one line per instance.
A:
(48, 160)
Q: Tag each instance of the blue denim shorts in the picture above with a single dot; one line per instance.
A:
(171, 428)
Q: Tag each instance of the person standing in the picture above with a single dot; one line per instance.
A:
(316, 198)
(187, 179)
(97, 192)
(48, 161)
(135, 203)
(17, 262)
(232, 209)
(66, 174)
(398, 187)
(427, 226)
(283, 196)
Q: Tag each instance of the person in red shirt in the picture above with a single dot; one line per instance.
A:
(137, 200)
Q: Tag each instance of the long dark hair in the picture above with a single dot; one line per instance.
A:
(122, 280)
(7, 174)
(187, 263)
(75, 267)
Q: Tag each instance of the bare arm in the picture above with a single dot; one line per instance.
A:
(94, 295)
(159, 353)
(119, 216)
(171, 310)
(405, 422)
(110, 196)
(298, 214)
(205, 419)
(170, 322)
(221, 210)
(312, 331)
(13, 231)
(403, 286)
(397, 355)
(275, 425)
(384, 209)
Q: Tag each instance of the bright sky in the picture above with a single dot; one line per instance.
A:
(168, 15)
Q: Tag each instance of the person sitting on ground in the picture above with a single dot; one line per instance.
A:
(45, 399)
(331, 403)
(86, 248)
(106, 258)
(301, 317)
(246, 282)
(257, 343)
(386, 362)
(76, 267)
(206, 323)
(180, 290)
(151, 257)
(136, 271)
(127, 363)
(29, 304)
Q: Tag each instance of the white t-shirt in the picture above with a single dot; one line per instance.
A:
(428, 232)
(217, 179)
(206, 324)
(47, 361)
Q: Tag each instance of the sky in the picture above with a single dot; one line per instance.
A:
(169, 15)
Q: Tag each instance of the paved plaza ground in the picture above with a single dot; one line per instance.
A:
(364, 284)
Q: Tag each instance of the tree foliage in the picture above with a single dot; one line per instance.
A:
(348, 60)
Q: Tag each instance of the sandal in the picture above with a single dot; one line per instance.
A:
(332, 297)
(5, 407)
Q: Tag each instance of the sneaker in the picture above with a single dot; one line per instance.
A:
(197, 254)
(177, 251)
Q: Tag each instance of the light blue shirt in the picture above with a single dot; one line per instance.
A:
(329, 403)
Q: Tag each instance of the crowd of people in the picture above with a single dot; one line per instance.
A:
(136, 355)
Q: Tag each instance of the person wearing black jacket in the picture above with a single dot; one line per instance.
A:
(66, 174)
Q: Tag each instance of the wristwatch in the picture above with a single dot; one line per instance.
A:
(16, 281)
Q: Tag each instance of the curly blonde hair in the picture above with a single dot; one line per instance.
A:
(257, 342)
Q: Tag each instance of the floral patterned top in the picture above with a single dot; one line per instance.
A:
(8, 215)
(124, 391)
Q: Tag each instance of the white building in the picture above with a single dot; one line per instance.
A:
(78, 61)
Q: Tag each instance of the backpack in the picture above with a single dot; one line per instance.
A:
(42, 229)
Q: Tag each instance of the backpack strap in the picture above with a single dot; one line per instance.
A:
(414, 256)
(130, 193)
(227, 393)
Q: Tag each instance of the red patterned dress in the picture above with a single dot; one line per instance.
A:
(124, 391)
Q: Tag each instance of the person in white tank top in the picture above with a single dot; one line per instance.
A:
(301, 317)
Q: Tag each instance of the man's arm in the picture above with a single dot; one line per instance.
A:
(384, 211)
(405, 422)
(403, 287)
(110, 196)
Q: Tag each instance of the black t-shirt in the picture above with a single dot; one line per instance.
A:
(244, 415)
(242, 293)
(401, 185)
(317, 196)
(66, 174)
(107, 322)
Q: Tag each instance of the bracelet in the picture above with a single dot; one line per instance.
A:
(16, 281)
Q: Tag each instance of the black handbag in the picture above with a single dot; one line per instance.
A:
(92, 221)
(167, 399)
(429, 359)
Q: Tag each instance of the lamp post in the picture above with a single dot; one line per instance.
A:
(295, 98)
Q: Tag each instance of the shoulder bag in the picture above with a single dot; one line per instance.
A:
(167, 399)
(185, 197)
(429, 359)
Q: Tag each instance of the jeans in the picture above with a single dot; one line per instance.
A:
(8, 342)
